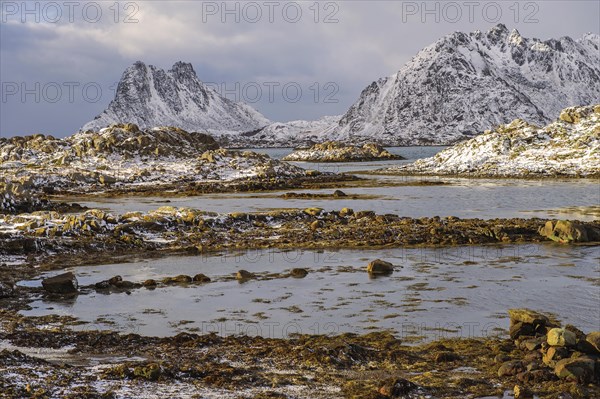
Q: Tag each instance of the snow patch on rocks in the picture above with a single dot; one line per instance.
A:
(568, 147)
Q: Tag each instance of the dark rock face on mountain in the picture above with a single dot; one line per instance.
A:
(466, 83)
(148, 96)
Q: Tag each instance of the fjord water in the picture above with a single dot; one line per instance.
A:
(576, 199)
(433, 293)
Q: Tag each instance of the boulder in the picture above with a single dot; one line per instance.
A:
(244, 275)
(527, 316)
(510, 368)
(201, 278)
(522, 392)
(65, 283)
(565, 231)
(580, 369)
(561, 337)
(299, 273)
(554, 354)
(520, 329)
(397, 388)
(594, 339)
(379, 266)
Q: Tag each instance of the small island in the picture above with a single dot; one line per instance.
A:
(335, 151)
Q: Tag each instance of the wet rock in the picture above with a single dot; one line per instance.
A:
(150, 372)
(346, 212)
(299, 273)
(379, 266)
(532, 344)
(65, 283)
(364, 214)
(115, 280)
(594, 339)
(536, 376)
(150, 283)
(444, 357)
(201, 278)
(313, 211)
(397, 388)
(7, 290)
(527, 316)
(565, 231)
(554, 354)
(561, 337)
(510, 368)
(180, 279)
(521, 392)
(520, 329)
(244, 275)
(579, 369)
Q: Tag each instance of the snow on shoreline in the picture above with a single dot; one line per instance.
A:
(568, 147)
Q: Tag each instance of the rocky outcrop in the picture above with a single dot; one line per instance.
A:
(65, 283)
(550, 350)
(333, 151)
(124, 156)
(568, 147)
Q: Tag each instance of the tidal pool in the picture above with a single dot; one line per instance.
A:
(434, 293)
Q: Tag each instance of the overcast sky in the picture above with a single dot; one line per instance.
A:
(60, 61)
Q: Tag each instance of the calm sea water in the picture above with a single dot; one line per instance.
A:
(443, 292)
(461, 197)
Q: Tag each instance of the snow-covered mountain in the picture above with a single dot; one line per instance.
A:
(466, 83)
(149, 96)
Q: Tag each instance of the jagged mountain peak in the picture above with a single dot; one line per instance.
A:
(465, 83)
(150, 96)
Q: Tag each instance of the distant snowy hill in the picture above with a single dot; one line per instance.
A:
(466, 83)
(284, 134)
(149, 96)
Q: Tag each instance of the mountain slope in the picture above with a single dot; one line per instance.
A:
(466, 83)
(149, 96)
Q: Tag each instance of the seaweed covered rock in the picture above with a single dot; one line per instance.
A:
(565, 231)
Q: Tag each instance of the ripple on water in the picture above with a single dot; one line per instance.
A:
(338, 295)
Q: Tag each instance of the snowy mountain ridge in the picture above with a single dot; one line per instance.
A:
(148, 96)
(465, 83)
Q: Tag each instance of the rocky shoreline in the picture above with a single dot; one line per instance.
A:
(124, 159)
(538, 358)
(568, 147)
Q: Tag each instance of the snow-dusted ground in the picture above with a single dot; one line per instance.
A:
(123, 155)
(570, 146)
